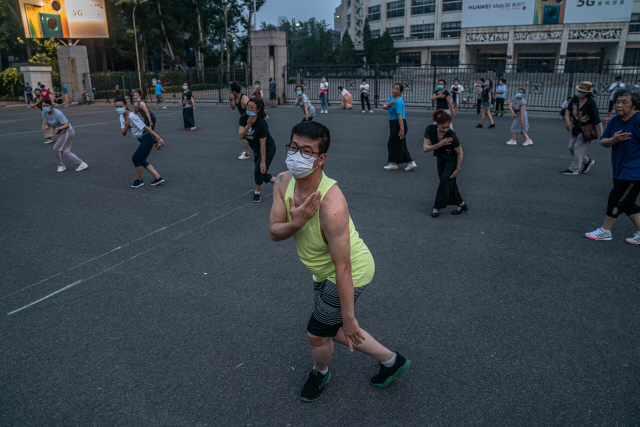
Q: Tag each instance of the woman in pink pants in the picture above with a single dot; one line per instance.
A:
(61, 126)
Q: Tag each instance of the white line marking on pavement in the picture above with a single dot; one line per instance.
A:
(133, 257)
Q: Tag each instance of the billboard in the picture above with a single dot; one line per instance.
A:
(64, 19)
(486, 13)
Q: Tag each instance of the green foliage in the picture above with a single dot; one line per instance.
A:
(368, 43)
(346, 53)
(11, 82)
(385, 52)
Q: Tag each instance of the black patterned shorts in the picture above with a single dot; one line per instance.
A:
(326, 319)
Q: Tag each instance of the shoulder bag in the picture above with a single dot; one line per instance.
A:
(589, 132)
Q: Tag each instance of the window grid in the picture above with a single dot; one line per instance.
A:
(450, 30)
(451, 5)
(424, 31)
(396, 33)
(634, 24)
(409, 58)
(349, 21)
(375, 33)
(422, 7)
(449, 58)
(632, 57)
(374, 13)
(395, 9)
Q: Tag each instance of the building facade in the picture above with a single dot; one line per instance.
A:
(432, 32)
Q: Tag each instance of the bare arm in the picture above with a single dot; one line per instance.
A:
(513, 113)
(61, 128)
(453, 111)
(617, 137)
(334, 222)
(434, 97)
(232, 101)
(145, 109)
(427, 147)
(459, 152)
(263, 155)
(156, 136)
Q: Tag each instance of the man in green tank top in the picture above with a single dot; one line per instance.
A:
(309, 206)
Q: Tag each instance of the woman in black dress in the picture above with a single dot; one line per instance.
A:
(444, 143)
(442, 97)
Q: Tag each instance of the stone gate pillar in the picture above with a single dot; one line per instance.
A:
(268, 60)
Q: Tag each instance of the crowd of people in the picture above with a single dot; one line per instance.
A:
(310, 207)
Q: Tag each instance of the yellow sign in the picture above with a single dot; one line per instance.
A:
(72, 73)
(64, 19)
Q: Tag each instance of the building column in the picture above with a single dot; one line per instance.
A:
(463, 49)
(562, 55)
(510, 50)
(622, 44)
(407, 18)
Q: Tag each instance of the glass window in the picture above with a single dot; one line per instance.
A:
(445, 58)
(359, 34)
(374, 13)
(359, 1)
(375, 33)
(348, 3)
(411, 59)
(421, 7)
(349, 21)
(632, 57)
(451, 5)
(396, 33)
(359, 23)
(490, 62)
(450, 30)
(634, 24)
(536, 62)
(584, 62)
(424, 31)
(395, 9)
(359, 11)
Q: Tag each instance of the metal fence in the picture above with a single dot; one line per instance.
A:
(210, 85)
(545, 89)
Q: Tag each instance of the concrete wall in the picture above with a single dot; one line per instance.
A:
(77, 85)
(265, 66)
(33, 75)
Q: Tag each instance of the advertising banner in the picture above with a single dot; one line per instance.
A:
(64, 19)
(486, 13)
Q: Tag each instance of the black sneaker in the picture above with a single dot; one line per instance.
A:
(256, 198)
(478, 126)
(492, 125)
(384, 377)
(158, 181)
(137, 183)
(587, 166)
(568, 172)
(314, 387)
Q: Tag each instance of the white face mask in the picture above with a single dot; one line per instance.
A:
(299, 166)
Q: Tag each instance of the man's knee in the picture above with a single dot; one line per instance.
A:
(315, 341)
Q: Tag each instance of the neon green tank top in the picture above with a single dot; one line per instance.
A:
(314, 252)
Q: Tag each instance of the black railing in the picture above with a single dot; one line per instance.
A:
(546, 87)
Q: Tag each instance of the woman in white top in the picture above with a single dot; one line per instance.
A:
(54, 119)
(324, 96)
(143, 133)
(347, 98)
(364, 95)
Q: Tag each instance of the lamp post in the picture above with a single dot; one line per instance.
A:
(135, 37)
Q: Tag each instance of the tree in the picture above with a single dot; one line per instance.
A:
(369, 43)
(346, 53)
(385, 51)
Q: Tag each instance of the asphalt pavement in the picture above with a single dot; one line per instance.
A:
(171, 306)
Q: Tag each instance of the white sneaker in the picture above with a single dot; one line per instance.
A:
(82, 167)
(321, 111)
(599, 234)
(411, 166)
(47, 141)
(527, 142)
(164, 108)
(635, 240)
(512, 142)
(391, 166)
(62, 168)
(243, 156)
(326, 111)
(371, 111)
(362, 111)
(156, 108)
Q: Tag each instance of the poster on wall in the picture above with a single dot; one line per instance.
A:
(485, 13)
(64, 19)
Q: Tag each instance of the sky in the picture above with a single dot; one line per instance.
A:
(299, 9)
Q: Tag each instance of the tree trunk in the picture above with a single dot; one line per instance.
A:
(144, 52)
(29, 55)
(247, 71)
(226, 39)
(164, 32)
(221, 51)
(104, 61)
(200, 56)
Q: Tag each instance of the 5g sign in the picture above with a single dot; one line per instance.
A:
(586, 3)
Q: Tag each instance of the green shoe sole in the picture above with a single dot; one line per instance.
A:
(404, 368)
(304, 399)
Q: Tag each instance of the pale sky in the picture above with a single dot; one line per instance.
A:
(299, 9)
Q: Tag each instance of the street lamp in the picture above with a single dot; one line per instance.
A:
(135, 37)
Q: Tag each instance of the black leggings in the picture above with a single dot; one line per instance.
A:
(623, 198)
(499, 105)
(260, 177)
(364, 99)
(448, 193)
(139, 158)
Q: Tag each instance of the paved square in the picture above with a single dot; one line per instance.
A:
(174, 307)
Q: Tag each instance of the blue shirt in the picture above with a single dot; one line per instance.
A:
(502, 95)
(625, 155)
(28, 89)
(485, 94)
(158, 89)
(64, 89)
(396, 108)
(56, 119)
(272, 87)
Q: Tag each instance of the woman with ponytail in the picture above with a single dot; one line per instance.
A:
(444, 143)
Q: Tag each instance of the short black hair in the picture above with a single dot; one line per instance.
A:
(301, 88)
(46, 101)
(443, 81)
(618, 77)
(522, 89)
(635, 96)
(257, 81)
(121, 99)
(314, 131)
(482, 80)
(270, 80)
(340, 87)
(235, 87)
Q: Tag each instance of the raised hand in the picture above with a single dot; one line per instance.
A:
(302, 214)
